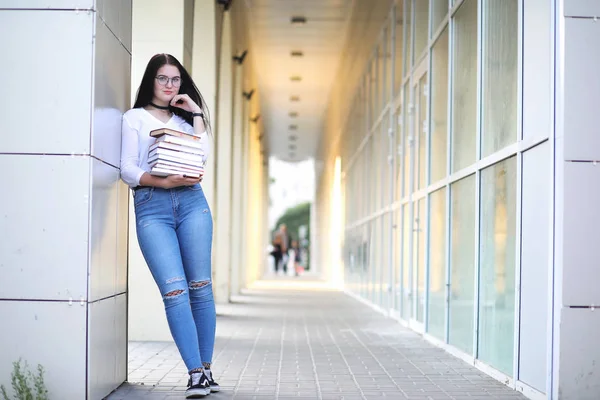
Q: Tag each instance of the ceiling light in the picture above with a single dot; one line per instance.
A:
(293, 127)
(294, 98)
(293, 114)
(298, 20)
(293, 138)
(297, 53)
(295, 78)
(292, 147)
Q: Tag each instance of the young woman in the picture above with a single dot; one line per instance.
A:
(173, 221)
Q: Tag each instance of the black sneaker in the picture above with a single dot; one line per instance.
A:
(198, 386)
(214, 386)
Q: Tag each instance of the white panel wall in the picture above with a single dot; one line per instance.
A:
(52, 334)
(49, 4)
(64, 86)
(44, 249)
(64, 248)
(107, 331)
(576, 372)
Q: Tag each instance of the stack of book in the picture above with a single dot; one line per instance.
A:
(175, 153)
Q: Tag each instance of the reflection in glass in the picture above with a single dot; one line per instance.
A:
(399, 45)
(397, 259)
(375, 176)
(387, 65)
(440, 10)
(421, 28)
(464, 79)
(399, 117)
(421, 133)
(408, 36)
(386, 271)
(419, 257)
(462, 263)
(497, 265)
(406, 284)
(439, 108)
(499, 88)
(437, 264)
(386, 184)
(406, 148)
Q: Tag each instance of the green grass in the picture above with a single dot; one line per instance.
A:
(25, 384)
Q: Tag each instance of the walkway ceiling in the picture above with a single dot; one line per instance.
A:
(293, 110)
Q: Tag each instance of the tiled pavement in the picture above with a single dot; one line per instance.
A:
(283, 344)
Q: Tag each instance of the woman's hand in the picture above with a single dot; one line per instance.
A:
(172, 181)
(184, 102)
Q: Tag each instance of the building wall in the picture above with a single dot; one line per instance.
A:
(63, 257)
(446, 143)
(575, 369)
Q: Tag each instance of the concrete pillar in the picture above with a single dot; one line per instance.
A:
(223, 149)
(576, 370)
(204, 72)
(147, 320)
(63, 252)
(237, 201)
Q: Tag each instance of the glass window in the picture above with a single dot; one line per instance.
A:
(437, 264)
(439, 108)
(399, 44)
(387, 65)
(399, 153)
(385, 164)
(464, 86)
(499, 70)
(373, 98)
(379, 65)
(419, 257)
(421, 27)
(406, 284)
(439, 12)
(397, 259)
(462, 263)
(386, 243)
(421, 133)
(367, 176)
(497, 265)
(408, 37)
(406, 146)
(376, 171)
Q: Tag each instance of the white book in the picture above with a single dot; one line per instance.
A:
(181, 167)
(161, 157)
(176, 147)
(167, 172)
(176, 154)
(179, 140)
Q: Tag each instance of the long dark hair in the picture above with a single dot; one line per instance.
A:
(146, 90)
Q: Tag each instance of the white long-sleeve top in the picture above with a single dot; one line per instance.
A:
(136, 139)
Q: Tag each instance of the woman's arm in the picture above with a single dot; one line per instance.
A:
(130, 171)
(184, 102)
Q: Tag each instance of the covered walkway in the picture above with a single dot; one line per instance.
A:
(296, 339)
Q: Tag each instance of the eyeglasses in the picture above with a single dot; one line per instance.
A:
(164, 80)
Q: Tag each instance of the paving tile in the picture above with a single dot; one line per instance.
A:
(310, 345)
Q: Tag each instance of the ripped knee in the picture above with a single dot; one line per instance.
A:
(195, 285)
(174, 293)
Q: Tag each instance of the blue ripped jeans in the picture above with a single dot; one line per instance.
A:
(174, 230)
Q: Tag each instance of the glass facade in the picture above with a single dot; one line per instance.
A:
(432, 169)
